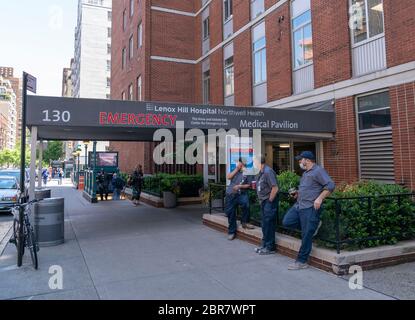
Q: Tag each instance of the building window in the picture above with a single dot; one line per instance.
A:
(124, 58)
(124, 20)
(130, 92)
(206, 87)
(259, 54)
(109, 16)
(302, 33)
(108, 48)
(140, 35)
(257, 8)
(131, 8)
(229, 77)
(206, 28)
(108, 96)
(123, 96)
(131, 47)
(139, 89)
(108, 82)
(109, 32)
(227, 7)
(108, 65)
(374, 111)
(366, 19)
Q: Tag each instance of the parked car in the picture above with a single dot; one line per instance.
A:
(16, 174)
(9, 192)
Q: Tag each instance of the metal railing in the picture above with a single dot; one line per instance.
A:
(340, 215)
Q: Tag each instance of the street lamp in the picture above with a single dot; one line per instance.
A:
(77, 154)
(86, 143)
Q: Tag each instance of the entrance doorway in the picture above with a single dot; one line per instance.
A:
(280, 154)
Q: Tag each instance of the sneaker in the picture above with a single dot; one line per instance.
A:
(248, 226)
(318, 228)
(297, 266)
(257, 250)
(231, 237)
(266, 251)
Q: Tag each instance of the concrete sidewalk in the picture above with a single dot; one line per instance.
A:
(114, 250)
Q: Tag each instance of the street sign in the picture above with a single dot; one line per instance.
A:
(31, 83)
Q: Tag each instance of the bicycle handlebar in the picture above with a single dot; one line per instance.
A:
(19, 205)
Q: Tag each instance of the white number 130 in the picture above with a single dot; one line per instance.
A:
(56, 116)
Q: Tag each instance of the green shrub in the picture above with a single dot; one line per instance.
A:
(181, 184)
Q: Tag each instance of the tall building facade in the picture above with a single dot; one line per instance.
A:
(280, 54)
(91, 67)
(17, 85)
(8, 113)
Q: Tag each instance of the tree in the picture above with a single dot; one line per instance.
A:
(54, 151)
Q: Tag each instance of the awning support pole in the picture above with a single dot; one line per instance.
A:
(32, 181)
(40, 167)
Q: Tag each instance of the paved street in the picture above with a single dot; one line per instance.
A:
(114, 250)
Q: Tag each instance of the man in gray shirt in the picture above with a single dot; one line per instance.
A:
(315, 186)
(237, 195)
(267, 190)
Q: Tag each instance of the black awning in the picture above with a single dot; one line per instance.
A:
(78, 119)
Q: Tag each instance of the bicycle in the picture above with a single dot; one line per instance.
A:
(28, 239)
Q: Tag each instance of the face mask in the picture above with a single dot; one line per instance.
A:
(302, 166)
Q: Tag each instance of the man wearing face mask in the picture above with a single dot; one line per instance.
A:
(315, 186)
(237, 195)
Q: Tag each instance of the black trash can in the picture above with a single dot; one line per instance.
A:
(42, 193)
(50, 222)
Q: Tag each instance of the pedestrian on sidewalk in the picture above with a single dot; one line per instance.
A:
(315, 186)
(60, 176)
(45, 176)
(118, 185)
(237, 195)
(136, 183)
(102, 186)
(267, 191)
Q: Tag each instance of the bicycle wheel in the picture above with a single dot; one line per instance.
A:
(32, 245)
(18, 242)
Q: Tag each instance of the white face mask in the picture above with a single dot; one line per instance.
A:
(302, 166)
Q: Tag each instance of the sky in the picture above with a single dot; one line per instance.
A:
(38, 37)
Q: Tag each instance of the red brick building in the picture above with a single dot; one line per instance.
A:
(280, 54)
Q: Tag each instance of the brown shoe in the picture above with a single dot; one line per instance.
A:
(248, 226)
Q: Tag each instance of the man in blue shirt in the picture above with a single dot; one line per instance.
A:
(315, 186)
(237, 195)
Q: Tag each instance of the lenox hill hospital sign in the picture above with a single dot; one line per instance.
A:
(65, 113)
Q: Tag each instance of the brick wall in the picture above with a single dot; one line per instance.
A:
(403, 132)
(181, 5)
(279, 75)
(340, 156)
(331, 42)
(399, 31)
(243, 69)
(241, 10)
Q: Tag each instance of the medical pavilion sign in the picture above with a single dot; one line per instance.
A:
(51, 111)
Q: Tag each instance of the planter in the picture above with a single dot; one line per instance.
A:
(169, 199)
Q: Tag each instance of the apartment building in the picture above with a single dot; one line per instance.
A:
(8, 111)
(357, 54)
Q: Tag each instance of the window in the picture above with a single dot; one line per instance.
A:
(108, 48)
(109, 32)
(124, 58)
(131, 47)
(130, 92)
(206, 28)
(302, 33)
(108, 82)
(366, 19)
(227, 7)
(131, 8)
(257, 7)
(109, 16)
(139, 89)
(206, 87)
(259, 54)
(124, 20)
(108, 65)
(108, 96)
(374, 111)
(123, 95)
(229, 77)
(140, 35)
